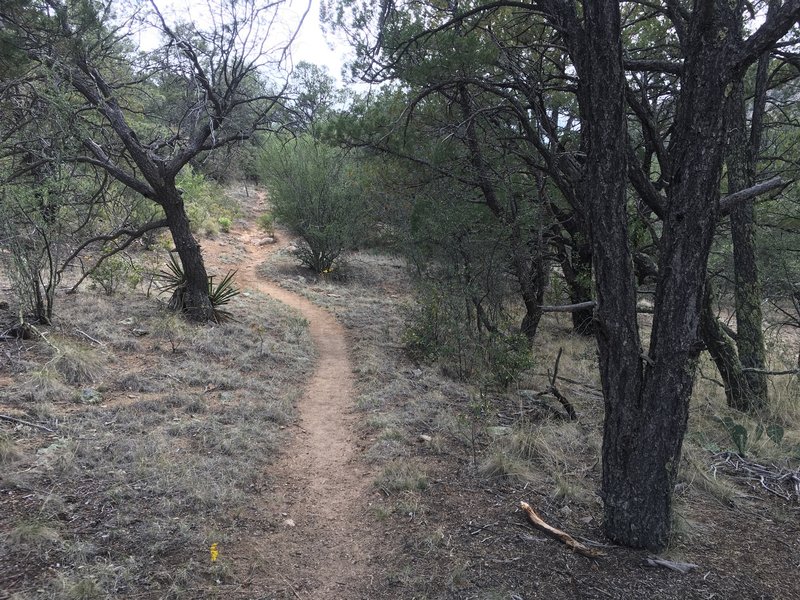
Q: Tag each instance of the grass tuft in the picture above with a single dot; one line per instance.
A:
(402, 476)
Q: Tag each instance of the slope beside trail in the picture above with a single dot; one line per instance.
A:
(312, 541)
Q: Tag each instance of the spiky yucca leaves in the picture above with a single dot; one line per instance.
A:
(173, 279)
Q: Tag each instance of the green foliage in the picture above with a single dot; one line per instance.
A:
(173, 279)
(115, 271)
(315, 192)
(440, 330)
(741, 437)
(206, 205)
(267, 223)
(225, 224)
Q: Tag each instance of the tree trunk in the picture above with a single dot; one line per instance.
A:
(752, 391)
(647, 409)
(723, 352)
(575, 258)
(194, 301)
(531, 274)
(581, 290)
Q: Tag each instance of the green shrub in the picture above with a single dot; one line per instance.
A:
(113, 272)
(225, 224)
(439, 330)
(206, 204)
(314, 191)
(267, 223)
(173, 279)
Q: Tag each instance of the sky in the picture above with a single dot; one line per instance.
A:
(315, 47)
(311, 44)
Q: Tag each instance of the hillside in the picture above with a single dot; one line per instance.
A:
(321, 462)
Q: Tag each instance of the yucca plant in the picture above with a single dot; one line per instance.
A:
(173, 279)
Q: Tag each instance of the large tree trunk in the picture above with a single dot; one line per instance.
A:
(647, 408)
(194, 299)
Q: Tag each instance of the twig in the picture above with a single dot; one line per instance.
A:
(83, 333)
(27, 423)
(477, 531)
(765, 372)
(291, 587)
(569, 307)
(561, 536)
(654, 561)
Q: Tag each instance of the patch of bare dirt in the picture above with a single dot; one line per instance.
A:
(315, 543)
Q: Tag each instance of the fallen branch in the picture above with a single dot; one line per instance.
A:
(26, 423)
(561, 536)
(654, 561)
(569, 307)
(766, 372)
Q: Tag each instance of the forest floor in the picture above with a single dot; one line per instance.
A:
(323, 463)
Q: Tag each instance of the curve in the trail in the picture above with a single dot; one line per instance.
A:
(318, 547)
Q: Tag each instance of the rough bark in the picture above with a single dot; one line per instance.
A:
(722, 349)
(647, 410)
(742, 155)
(194, 301)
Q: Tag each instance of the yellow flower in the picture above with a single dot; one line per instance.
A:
(214, 552)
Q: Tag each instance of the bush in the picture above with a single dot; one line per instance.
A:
(225, 224)
(439, 330)
(314, 192)
(115, 270)
(206, 205)
(267, 223)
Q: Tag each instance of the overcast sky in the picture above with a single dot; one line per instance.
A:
(310, 45)
(315, 47)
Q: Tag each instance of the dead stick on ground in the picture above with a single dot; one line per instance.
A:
(21, 422)
(291, 587)
(669, 564)
(561, 536)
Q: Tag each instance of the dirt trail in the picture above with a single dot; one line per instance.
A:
(314, 544)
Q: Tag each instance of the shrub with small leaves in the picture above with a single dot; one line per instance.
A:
(225, 224)
(113, 272)
(267, 223)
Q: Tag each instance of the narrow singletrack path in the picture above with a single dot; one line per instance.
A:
(316, 544)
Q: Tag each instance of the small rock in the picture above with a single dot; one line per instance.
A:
(128, 321)
(139, 332)
(586, 520)
(417, 373)
(266, 241)
(425, 438)
(3, 305)
(565, 510)
(289, 523)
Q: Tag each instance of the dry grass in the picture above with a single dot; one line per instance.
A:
(505, 444)
(128, 496)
